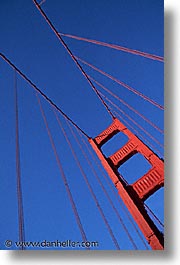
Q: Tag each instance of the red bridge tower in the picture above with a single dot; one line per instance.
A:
(133, 195)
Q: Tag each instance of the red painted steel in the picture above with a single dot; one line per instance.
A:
(154, 178)
(133, 195)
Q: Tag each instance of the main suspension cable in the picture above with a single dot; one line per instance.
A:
(71, 54)
(40, 92)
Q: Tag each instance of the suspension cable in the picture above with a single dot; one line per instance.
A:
(67, 187)
(40, 92)
(71, 54)
(139, 135)
(87, 182)
(122, 84)
(42, 2)
(18, 171)
(137, 124)
(127, 105)
(153, 214)
(102, 186)
(116, 47)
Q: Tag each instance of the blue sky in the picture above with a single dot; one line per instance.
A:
(28, 41)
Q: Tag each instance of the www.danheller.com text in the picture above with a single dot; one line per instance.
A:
(50, 244)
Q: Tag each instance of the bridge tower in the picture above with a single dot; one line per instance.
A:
(135, 194)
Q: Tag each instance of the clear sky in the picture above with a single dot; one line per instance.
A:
(27, 40)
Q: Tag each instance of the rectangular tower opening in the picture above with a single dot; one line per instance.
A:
(134, 168)
(114, 144)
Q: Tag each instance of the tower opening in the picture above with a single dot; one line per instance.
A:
(114, 144)
(134, 168)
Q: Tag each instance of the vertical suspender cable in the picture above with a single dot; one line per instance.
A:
(18, 171)
(136, 92)
(67, 187)
(127, 105)
(137, 124)
(137, 133)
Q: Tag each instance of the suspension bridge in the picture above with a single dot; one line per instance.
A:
(101, 160)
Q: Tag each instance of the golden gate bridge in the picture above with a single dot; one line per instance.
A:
(131, 197)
